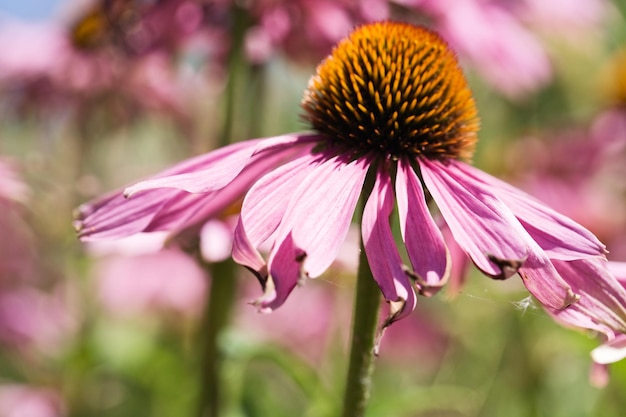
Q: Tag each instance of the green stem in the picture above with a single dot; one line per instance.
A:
(364, 330)
(218, 312)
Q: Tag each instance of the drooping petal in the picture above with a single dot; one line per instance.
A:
(114, 216)
(490, 234)
(544, 282)
(326, 200)
(424, 241)
(315, 223)
(285, 273)
(479, 222)
(459, 261)
(382, 254)
(602, 304)
(263, 209)
(192, 210)
(561, 237)
(221, 166)
(266, 201)
(246, 254)
(172, 209)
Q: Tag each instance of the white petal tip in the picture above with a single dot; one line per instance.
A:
(606, 354)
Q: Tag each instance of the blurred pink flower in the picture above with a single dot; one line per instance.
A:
(300, 191)
(421, 336)
(493, 40)
(305, 326)
(306, 29)
(320, 307)
(27, 401)
(17, 245)
(31, 320)
(586, 166)
(31, 50)
(42, 64)
(145, 278)
(12, 188)
(571, 20)
(216, 239)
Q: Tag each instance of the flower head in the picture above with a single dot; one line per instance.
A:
(394, 89)
(389, 102)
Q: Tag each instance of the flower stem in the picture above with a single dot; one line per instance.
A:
(218, 311)
(364, 330)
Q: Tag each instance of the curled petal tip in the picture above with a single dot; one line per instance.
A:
(396, 310)
(508, 267)
(423, 287)
(570, 298)
(263, 303)
(377, 340)
(83, 211)
(78, 226)
(260, 308)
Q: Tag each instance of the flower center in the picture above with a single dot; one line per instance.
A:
(394, 88)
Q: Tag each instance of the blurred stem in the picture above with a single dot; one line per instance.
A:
(235, 64)
(217, 316)
(223, 281)
(364, 328)
(257, 89)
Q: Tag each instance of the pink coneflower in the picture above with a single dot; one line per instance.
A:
(392, 115)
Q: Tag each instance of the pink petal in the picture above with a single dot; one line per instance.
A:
(246, 254)
(382, 254)
(114, 216)
(266, 202)
(459, 260)
(544, 282)
(220, 167)
(172, 209)
(424, 241)
(479, 222)
(233, 157)
(321, 209)
(192, 210)
(263, 209)
(315, 223)
(490, 234)
(285, 273)
(561, 237)
(618, 269)
(602, 304)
